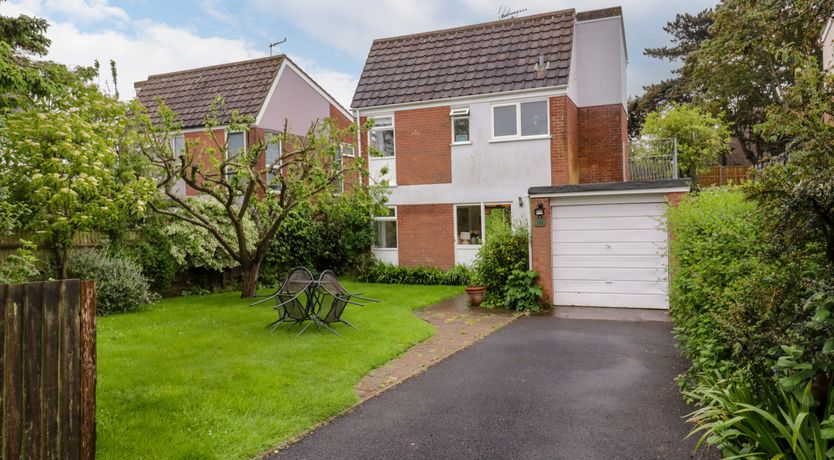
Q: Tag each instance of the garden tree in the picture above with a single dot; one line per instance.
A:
(307, 168)
(688, 31)
(796, 190)
(62, 160)
(22, 78)
(701, 138)
(738, 72)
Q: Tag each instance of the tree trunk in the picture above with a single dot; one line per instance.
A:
(250, 280)
(61, 253)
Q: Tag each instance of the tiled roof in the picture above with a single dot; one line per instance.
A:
(189, 93)
(479, 59)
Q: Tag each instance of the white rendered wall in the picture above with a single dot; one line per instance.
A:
(598, 68)
(484, 171)
(296, 101)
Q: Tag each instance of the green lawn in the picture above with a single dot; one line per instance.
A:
(201, 377)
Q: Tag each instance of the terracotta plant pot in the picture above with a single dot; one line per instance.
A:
(476, 295)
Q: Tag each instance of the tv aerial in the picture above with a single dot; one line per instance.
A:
(273, 45)
(504, 12)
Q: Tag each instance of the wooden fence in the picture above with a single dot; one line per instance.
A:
(48, 369)
(724, 175)
(9, 244)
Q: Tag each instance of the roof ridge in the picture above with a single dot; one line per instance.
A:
(215, 66)
(481, 25)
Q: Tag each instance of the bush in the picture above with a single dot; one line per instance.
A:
(153, 253)
(505, 250)
(195, 247)
(716, 244)
(523, 292)
(744, 423)
(120, 286)
(334, 233)
(22, 266)
(757, 325)
(380, 272)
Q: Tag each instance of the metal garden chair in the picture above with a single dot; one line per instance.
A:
(293, 300)
(331, 300)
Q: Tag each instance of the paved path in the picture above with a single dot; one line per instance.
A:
(542, 387)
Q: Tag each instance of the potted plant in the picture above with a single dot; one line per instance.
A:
(476, 291)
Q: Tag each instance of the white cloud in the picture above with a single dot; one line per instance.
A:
(140, 47)
(143, 47)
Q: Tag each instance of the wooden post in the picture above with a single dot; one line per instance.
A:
(88, 370)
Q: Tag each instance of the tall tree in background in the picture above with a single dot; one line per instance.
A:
(688, 31)
(739, 71)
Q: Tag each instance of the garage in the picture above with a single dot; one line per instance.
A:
(609, 244)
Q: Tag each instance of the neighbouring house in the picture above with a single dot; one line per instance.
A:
(273, 90)
(527, 116)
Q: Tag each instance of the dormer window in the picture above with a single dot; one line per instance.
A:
(460, 126)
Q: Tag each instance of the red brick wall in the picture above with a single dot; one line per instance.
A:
(425, 235)
(564, 141)
(204, 146)
(351, 180)
(603, 134)
(542, 248)
(424, 152)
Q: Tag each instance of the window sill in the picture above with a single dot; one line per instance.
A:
(468, 246)
(383, 158)
(454, 144)
(384, 249)
(524, 138)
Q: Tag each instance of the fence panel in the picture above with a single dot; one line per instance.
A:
(724, 175)
(48, 369)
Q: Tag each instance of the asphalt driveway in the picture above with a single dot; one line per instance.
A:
(541, 387)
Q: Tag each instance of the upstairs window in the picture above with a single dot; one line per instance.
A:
(273, 160)
(235, 145)
(178, 145)
(460, 126)
(520, 120)
(381, 136)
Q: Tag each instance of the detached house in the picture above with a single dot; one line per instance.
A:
(272, 90)
(526, 115)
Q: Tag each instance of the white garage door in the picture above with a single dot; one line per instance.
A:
(610, 251)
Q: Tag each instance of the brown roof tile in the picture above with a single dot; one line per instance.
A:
(483, 58)
(189, 93)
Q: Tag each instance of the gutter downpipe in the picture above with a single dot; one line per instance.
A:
(529, 233)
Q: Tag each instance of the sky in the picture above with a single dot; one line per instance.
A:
(329, 39)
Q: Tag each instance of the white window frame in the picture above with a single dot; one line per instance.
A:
(483, 206)
(517, 136)
(375, 129)
(174, 144)
(352, 149)
(396, 234)
(245, 141)
(456, 114)
(280, 145)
